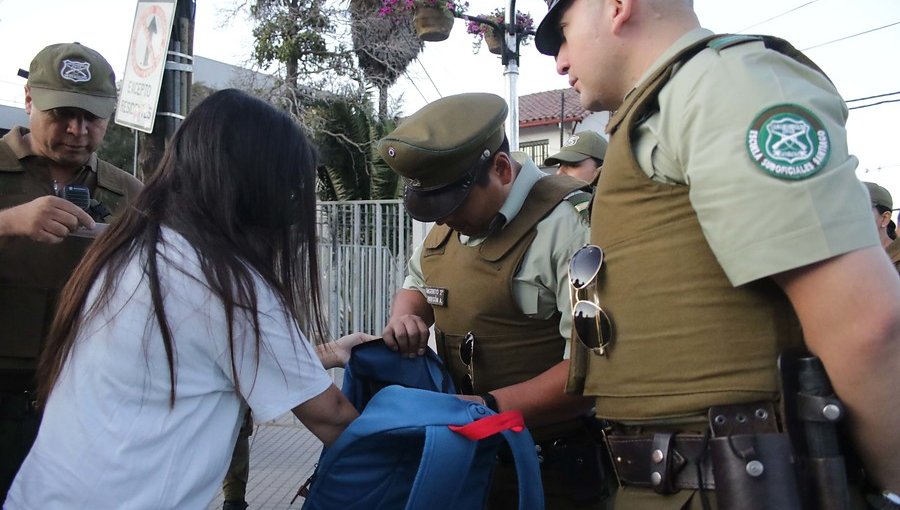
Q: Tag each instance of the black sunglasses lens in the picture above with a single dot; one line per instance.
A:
(465, 385)
(584, 265)
(465, 350)
(584, 316)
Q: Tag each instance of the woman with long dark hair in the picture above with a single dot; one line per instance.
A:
(200, 299)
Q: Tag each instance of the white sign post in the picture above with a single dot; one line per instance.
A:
(145, 65)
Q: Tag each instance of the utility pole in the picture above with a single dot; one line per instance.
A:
(175, 93)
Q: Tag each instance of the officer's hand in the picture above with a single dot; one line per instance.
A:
(46, 219)
(407, 334)
(343, 345)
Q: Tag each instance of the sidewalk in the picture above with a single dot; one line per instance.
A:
(282, 456)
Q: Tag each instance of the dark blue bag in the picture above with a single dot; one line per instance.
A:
(415, 448)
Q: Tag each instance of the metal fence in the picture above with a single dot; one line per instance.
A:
(363, 249)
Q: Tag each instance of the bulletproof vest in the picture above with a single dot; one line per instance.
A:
(684, 338)
(476, 283)
(32, 273)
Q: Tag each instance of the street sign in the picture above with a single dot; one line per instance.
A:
(145, 64)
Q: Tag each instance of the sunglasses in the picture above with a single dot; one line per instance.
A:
(593, 326)
(467, 356)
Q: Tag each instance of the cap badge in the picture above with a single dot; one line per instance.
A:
(413, 183)
(789, 142)
(571, 141)
(392, 151)
(75, 71)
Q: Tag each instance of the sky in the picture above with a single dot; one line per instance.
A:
(859, 65)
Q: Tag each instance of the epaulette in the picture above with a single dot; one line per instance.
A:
(581, 201)
(727, 41)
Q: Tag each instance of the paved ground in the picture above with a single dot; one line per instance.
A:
(282, 456)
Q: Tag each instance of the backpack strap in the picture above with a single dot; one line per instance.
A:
(528, 472)
(445, 457)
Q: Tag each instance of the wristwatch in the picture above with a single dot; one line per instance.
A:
(490, 402)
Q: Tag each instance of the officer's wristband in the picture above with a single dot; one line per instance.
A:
(490, 402)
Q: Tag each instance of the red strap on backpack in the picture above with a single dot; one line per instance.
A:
(494, 424)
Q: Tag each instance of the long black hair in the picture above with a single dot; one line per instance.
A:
(237, 181)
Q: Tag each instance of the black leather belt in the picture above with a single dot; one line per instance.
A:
(664, 462)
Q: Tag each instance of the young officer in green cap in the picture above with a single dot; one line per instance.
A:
(69, 96)
(740, 230)
(882, 208)
(581, 156)
(491, 277)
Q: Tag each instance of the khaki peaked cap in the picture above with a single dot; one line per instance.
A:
(439, 148)
(879, 195)
(71, 75)
(579, 147)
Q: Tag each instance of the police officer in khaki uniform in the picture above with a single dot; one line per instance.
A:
(738, 220)
(581, 156)
(69, 96)
(492, 278)
(882, 208)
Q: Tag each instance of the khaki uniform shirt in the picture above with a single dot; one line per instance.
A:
(757, 225)
(541, 285)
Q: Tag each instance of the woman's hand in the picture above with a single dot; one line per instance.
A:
(336, 354)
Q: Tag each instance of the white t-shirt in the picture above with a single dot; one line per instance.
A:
(109, 438)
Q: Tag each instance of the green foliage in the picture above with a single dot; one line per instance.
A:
(325, 87)
(118, 146)
(349, 165)
(296, 34)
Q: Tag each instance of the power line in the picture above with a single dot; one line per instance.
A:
(777, 16)
(872, 97)
(874, 104)
(429, 78)
(413, 82)
(851, 36)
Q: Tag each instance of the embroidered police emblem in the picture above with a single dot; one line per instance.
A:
(571, 141)
(76, 71)
(789, 142)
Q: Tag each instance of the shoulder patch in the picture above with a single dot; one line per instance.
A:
(789, 142)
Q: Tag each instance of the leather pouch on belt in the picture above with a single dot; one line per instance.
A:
(754, 471)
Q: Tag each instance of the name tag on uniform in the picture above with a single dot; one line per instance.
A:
(436, 296)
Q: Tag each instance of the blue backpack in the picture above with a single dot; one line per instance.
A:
(415, 445)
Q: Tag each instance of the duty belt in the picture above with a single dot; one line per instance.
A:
(667, 460)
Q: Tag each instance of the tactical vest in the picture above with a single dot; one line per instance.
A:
(685, 339)
(32, 273)
(510, 347)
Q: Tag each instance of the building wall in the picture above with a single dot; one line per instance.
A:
(549, 133)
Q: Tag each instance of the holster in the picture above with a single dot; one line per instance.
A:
(754, 471)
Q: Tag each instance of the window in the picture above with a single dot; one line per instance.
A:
(538, 150)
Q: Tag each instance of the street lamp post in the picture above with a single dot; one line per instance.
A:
(509, 56)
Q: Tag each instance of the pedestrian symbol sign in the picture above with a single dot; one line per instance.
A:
(145, 64)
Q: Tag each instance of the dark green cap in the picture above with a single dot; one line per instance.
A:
(72, 76)
(439, 148)
(879, 195)
(579, 147)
